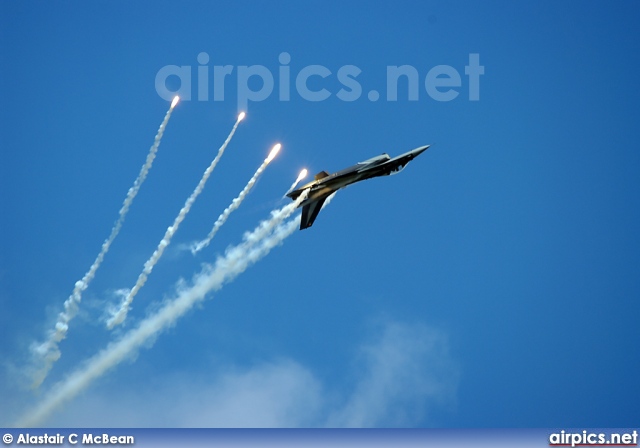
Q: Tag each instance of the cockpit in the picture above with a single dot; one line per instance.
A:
(376, 160)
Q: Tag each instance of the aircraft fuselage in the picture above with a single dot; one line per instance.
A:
(326, 184)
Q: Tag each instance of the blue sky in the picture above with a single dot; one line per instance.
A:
(493, 283)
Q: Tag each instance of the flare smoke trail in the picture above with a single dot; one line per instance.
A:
(237, 259)
(47, 352)
(197, 247)
(119, 315)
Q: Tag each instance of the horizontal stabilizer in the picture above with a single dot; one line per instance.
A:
(310, 212)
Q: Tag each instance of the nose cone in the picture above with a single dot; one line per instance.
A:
(420, 150)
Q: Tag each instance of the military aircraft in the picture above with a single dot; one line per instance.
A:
(325, 184)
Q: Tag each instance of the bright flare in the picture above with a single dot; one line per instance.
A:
(175, 101)
(273, 153)
(241, 116)
(302, 175)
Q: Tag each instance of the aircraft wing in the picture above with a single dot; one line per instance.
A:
(310, 212)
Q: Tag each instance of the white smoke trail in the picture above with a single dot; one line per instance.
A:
(255, 245)
(47, 352)
(119, 315)
(197, 247)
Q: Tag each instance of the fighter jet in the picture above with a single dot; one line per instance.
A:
(325, 184)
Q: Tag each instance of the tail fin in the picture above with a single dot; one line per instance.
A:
(321, 175)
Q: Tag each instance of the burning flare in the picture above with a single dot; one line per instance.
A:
(274, 152)
(301, 176)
